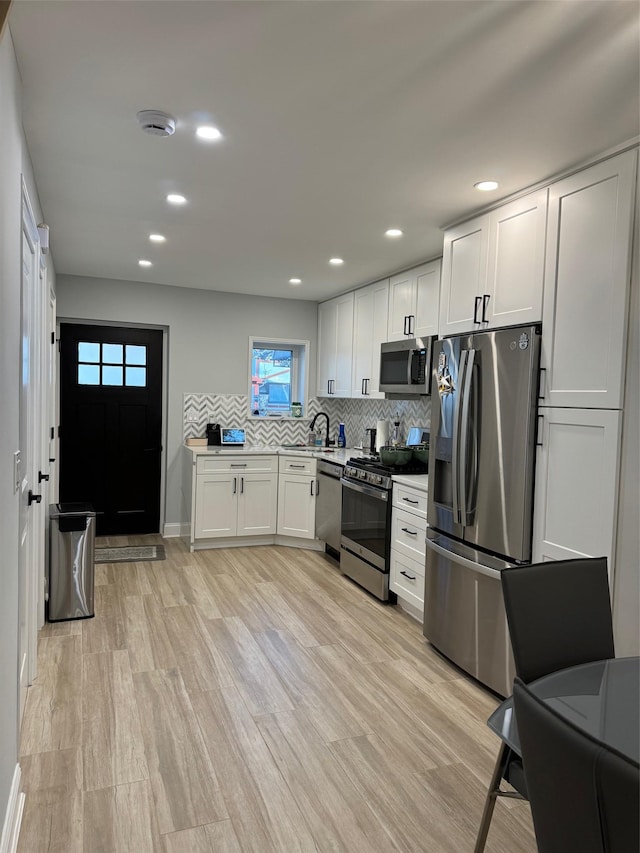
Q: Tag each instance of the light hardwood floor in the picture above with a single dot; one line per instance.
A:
(252, 699)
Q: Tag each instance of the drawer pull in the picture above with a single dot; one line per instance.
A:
(410, 532)
(409, 501)
(408, 576)
(238, 464)
(295, 466)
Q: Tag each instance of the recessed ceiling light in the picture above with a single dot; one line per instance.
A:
(336, 261)
(157, 238)
(208, 132)
(393, 232)
(174, 198)
(485, 186)
(143, 263)
(295, 281)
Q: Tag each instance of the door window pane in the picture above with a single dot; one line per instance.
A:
(89, 352)
(88, 374)
(112, 354)
(136, 376)
(111, 375)
(136, 355)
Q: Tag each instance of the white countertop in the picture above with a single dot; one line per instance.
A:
(332, 454)
(415, 481)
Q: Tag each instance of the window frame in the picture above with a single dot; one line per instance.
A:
(299, 371)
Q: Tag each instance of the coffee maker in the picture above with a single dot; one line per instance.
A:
(213, 435)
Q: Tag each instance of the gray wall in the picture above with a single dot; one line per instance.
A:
(208, 337)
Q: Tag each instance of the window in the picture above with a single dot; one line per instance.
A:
(278, 376)
(112, 364)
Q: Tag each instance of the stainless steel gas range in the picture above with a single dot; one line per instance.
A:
(365, 539)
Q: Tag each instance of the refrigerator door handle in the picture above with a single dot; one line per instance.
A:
(464, 433)
(463, 561)
(455, 449)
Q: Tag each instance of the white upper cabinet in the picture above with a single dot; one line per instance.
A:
(335, 343)
(516, 261)
(414, 298)
(464, 276)
(369, 332)
(587, 280)
(493, 268)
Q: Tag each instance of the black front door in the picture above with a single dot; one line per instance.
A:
(111, 424)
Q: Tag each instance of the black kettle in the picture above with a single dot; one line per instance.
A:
(213, 435)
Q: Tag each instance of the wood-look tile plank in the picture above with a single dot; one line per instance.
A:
(336, 811)
(52, 817)
(236, 597)
(106, 631)
(308, 686)
(213, 838)
(250, 669)
(454, 790)
(113, 748)
(200, 662)
(411, 738)
(253, 565)
(391, 792)
(271, 593)
(120, 819)
(265, 815)
(185, 787)
(433, 707)
(53, 711)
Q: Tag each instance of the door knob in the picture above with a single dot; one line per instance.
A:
(34, 498)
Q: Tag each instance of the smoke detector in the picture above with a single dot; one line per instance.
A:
(156, 122)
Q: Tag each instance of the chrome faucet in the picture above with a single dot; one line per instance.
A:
(313, 423)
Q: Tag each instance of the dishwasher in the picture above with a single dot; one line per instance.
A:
(329, 506)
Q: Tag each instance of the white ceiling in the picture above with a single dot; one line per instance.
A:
(340, 119)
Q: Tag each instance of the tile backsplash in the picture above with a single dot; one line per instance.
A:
(356, 414)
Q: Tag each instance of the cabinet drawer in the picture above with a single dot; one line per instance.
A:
(407, 579)
(221, 462)
(408, 533)
(410, 500)
(297, 465)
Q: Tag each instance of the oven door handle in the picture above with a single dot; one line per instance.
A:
(365, 490)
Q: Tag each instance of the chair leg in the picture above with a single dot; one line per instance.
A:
(490, 799)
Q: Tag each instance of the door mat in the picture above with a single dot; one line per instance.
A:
(130, 554)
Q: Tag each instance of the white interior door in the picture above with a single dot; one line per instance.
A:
(30, 523)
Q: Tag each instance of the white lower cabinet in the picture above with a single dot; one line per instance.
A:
(297, 489)
(235, 496)
(576, 484)
(408, 534)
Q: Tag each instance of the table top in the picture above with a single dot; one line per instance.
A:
(601, 698)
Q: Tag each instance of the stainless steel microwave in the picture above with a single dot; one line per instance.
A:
(405, 366)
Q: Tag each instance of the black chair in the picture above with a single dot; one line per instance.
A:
(618, 785)
(559, 615)
(560, 763)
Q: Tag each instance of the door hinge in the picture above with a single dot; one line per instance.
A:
(53, 337)
(53, 433)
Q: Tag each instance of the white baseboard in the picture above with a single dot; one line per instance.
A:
(13, 815)
(175, 529)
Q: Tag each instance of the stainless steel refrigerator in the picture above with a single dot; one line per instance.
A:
(483, 422)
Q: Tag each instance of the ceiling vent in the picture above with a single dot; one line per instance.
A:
(156, 123)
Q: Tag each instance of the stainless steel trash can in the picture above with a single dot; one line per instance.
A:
(72, 536)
